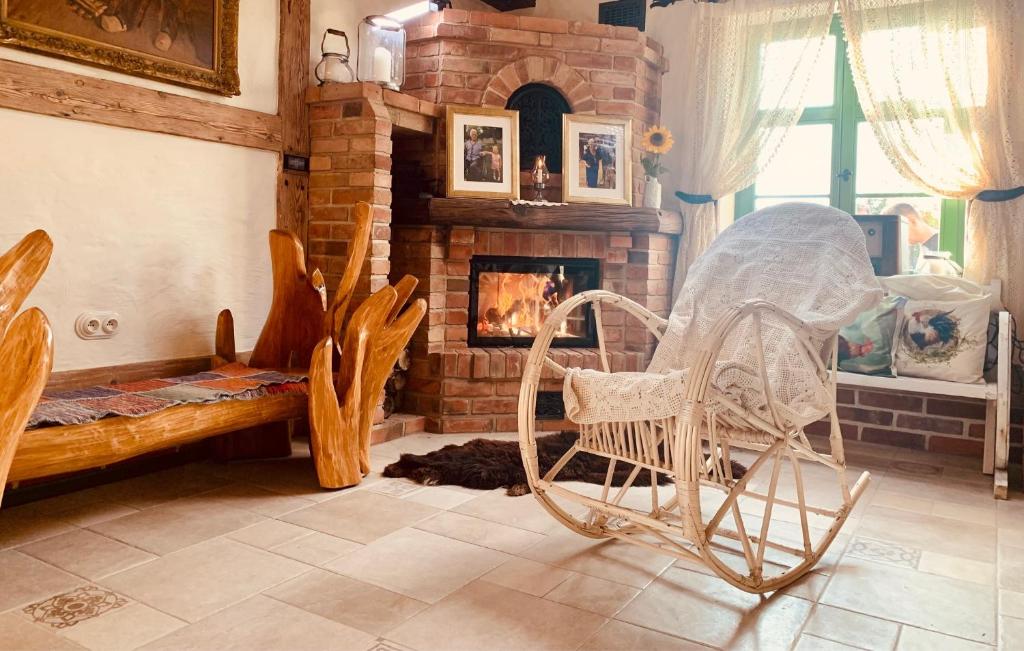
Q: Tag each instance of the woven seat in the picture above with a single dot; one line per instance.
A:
(742, 362)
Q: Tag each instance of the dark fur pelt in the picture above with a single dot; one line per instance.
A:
(488, 464)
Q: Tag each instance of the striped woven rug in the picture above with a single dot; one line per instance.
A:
(230, 382)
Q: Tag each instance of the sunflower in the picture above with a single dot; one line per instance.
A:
(658, 140)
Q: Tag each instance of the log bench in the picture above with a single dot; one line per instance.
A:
(299, 318)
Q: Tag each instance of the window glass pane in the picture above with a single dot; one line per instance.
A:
(764, 202)
(875, 174)
(803, 164)
(781, 58)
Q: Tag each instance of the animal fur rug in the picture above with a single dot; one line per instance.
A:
(488, 464)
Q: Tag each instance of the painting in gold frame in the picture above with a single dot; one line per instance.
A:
(483, 152)
(597, 165)
(192, 43)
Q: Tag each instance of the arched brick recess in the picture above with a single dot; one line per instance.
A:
(541, 70)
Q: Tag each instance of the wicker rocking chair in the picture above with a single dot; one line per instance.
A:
(741, 367)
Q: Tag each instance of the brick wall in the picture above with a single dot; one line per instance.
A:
(462, 389)
(911, 420)
(480, 58)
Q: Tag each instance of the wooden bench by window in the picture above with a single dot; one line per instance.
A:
(995, 392)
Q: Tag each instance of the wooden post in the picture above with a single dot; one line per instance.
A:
(293, 77)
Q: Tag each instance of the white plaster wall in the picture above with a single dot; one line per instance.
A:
(164, 230)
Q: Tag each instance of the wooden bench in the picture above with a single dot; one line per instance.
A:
(298, 320)
(995, 392)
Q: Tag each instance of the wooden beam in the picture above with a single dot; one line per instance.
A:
(499, 213)
(293, 78)
(45, 91)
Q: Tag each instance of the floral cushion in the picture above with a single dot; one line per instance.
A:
(866, 346)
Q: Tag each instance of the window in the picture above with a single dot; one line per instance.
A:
(832, 157)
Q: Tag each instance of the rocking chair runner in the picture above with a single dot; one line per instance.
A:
(742, 363)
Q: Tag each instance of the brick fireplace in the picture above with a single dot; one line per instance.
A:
(460, 387)
(388, 148)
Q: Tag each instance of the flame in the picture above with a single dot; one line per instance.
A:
(516, 304)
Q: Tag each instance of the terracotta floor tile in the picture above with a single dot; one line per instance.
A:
(707, 610)
(941, 604)
(418, 564)
(360, 516)
(87, 554)
(24, 579)
(169, 527)
(483, 615)
(202, 579)
(620, 636)
(18, 634)
(528, 576)
(264, 623)
(345, 600)
(484, 533)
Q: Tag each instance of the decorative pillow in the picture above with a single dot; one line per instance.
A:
(866, 345)
(943, 340)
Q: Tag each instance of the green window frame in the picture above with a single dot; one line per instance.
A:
(845, 115)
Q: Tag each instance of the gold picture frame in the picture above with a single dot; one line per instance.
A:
(478, 173)
(193, 45)
(604, 174)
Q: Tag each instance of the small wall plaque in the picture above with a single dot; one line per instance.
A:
(293, 163)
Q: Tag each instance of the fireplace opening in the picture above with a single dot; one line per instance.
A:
(511, 297)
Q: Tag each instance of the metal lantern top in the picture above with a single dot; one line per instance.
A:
(381, 51)
(333, 66)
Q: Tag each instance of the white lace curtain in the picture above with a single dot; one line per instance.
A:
(942, 84)
(738, 103)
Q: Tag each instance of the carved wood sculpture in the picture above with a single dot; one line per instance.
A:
(26, 350)
(376, 335)
(299, 316)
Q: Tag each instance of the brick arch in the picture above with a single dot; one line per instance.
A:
(541, 70)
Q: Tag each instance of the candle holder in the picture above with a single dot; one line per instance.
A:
(333, 66)
(381, 52)
(540, 177)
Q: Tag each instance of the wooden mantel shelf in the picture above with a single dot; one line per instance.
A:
(500, 213)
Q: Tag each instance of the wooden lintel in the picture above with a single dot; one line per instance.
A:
(499, 213)
(410, 122)
(35, 89)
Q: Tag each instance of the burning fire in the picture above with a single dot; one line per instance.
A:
(516, 304)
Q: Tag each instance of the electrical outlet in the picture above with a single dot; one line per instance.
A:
(97, 325)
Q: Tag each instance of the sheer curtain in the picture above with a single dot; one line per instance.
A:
(942, 84)
(738, 103)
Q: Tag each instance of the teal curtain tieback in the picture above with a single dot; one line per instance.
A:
(999, 195)
(695, 199)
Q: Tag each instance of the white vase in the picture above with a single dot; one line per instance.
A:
(652, 195)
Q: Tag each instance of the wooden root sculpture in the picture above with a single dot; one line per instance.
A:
(374, 338)
(369, 341)
(26, 343)
(299, 317)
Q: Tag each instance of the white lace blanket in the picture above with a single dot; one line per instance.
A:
(809, 260)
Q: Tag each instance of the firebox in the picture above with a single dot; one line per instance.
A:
(510, 297)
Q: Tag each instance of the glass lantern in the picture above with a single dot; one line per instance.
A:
(333, 66)
(382, 51)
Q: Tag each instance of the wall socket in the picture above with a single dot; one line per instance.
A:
(97, 325)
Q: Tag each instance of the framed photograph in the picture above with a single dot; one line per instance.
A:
(483, 153)
(187, 42)
(598, 164)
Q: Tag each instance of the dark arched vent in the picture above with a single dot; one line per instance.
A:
(540, 124)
